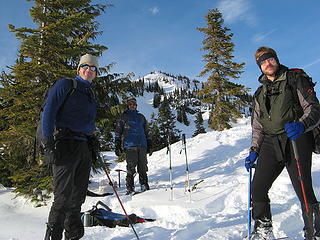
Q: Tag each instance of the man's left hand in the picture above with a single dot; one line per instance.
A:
(294, 130)
(149, 147)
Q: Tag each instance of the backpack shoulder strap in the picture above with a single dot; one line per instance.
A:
(74, 85)
(70, 92)
(292, 81)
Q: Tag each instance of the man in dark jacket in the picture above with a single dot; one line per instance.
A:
(133, 127)
(284, 114)
(68, 121)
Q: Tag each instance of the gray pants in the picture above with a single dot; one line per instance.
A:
(136, 157)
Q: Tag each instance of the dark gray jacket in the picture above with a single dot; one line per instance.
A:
(268, 105)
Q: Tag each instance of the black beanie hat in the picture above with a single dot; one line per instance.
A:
(266, 56)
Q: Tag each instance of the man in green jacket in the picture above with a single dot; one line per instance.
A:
(286, 109)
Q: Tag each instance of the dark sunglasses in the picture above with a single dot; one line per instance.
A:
(87, 66)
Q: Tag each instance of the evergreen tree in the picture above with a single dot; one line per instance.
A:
(154, 133)
(166, 123)
(218, 90)
(199, 124)
(156, 100)
(50, 51)
(182, 115)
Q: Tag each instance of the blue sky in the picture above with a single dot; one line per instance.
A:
(147, 35)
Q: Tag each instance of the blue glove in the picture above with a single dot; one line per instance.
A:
(250, 160)
(294, 130)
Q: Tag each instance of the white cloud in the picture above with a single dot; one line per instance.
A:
(154, 10)
(261, 37)
(235, 10)
(312, 63)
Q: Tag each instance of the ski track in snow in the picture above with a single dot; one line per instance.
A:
(218, 207)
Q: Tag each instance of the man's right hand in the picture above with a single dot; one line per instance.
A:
(250, 160)
(48, 145)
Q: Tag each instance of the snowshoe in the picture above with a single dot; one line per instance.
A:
(262, 230)
(144, 187)
(130, 192)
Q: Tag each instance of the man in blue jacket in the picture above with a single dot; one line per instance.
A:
(133, 127)
(68, 122)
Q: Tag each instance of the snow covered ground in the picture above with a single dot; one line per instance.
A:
(218, 206)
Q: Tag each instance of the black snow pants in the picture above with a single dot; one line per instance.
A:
(136, 157)
(270, 165)
(70, 179)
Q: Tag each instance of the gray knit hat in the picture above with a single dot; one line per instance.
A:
(89, 58)
(131, 100)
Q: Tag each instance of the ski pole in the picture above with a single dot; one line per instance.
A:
(116, 193)
(170, 167)
(187, 167)
(119, 170)
(296, 156)
(249, 203)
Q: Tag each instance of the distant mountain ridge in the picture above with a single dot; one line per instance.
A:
(180, 92)
(171, 82)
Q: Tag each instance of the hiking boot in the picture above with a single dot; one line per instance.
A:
(53, 232)
(262, 230)
(311, 221)
(316, 212)
(76, 238)
(130, 191)
(144, 187)
(308, 237)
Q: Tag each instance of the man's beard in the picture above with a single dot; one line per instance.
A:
(271, 71)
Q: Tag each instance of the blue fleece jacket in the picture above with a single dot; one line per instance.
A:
(78, 112)
(133, 126)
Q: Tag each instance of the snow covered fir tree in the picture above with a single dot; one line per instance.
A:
(218, 90)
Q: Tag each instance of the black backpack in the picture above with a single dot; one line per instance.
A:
(291, 80)
(103, 216)
(37, 140)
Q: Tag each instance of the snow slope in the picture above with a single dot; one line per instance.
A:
(218, 206)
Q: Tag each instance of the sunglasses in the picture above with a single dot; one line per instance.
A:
(87, 66)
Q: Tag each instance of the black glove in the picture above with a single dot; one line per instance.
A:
(149, 147)
(119, 149)
(48, 145)
(94, 147)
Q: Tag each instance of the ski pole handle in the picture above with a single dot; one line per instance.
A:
(184, 139)
(295, 149)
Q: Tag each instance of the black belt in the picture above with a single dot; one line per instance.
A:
(66, 132)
